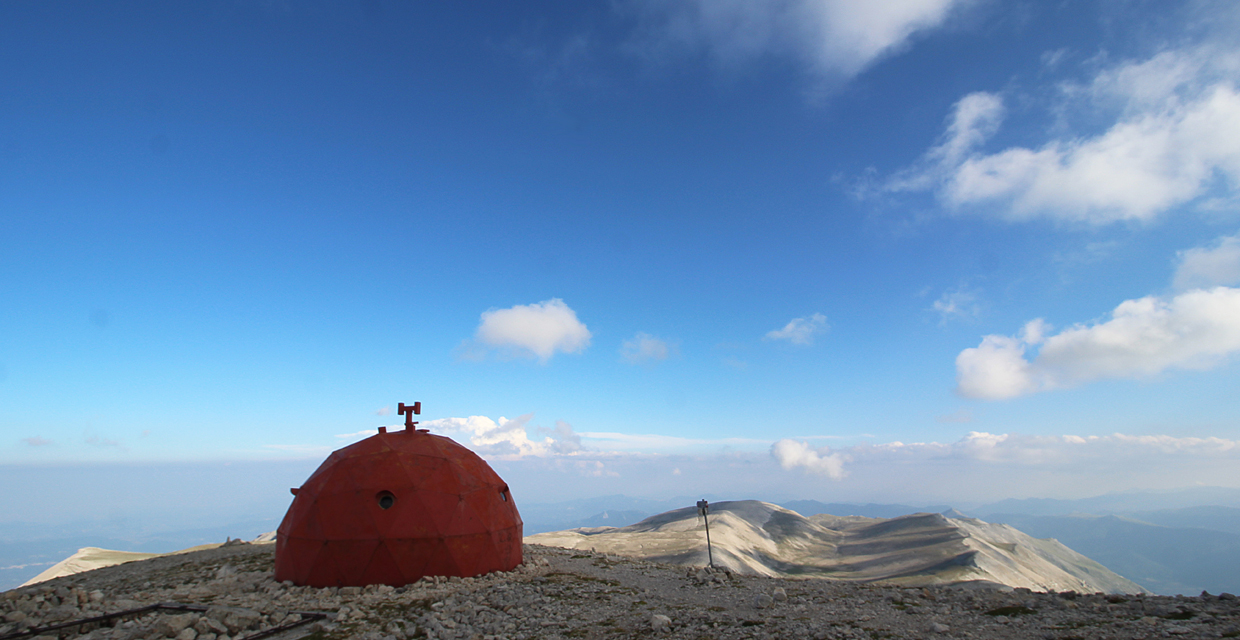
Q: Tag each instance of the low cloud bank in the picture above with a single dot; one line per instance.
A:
(985, 466)
(561, 463)
(507, 438)
(978, 467)
(558, 463)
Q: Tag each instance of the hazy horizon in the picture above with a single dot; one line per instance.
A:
(150, 498)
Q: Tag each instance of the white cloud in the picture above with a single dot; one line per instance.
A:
(1207, 267)
(383, 411)
(956, 303)
(975, 118)
(800, 330)
(37, 441)
(792, 454)
(1052, 59)
(994, 369)
(540, 329)
(832, 37)
(1175, 134)
(1196, 329)
(507, 439)
(644, 348)
(1139, 168)
(564, 439)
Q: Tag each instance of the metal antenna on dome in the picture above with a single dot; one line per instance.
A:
(703, 509)
(409, 410)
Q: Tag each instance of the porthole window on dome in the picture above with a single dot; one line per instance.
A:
(386, 499)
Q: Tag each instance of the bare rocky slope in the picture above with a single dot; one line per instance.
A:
(759, 538)
(229, 594)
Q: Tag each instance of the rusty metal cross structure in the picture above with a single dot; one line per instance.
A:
(409, 410)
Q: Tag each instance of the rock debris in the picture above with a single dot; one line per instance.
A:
(559, 594)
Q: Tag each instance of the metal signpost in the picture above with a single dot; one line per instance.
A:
(703, 509)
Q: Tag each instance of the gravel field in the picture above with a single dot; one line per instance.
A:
(558, 593)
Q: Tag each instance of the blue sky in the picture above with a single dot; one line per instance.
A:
(933, 249)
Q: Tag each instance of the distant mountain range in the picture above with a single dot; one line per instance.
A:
(754, 537)
(1125, 503)
(26, 549)
(1165, 560)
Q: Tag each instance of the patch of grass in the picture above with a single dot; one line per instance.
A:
(1011, 611)
(579, 557)
(716, 608)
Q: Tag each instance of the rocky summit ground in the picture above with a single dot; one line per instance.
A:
(560, 593)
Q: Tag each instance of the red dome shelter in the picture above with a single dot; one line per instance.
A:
(396, 507)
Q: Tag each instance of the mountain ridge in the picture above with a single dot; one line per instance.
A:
(754, 537)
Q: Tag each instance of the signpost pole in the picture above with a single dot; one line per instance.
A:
(703, 509)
